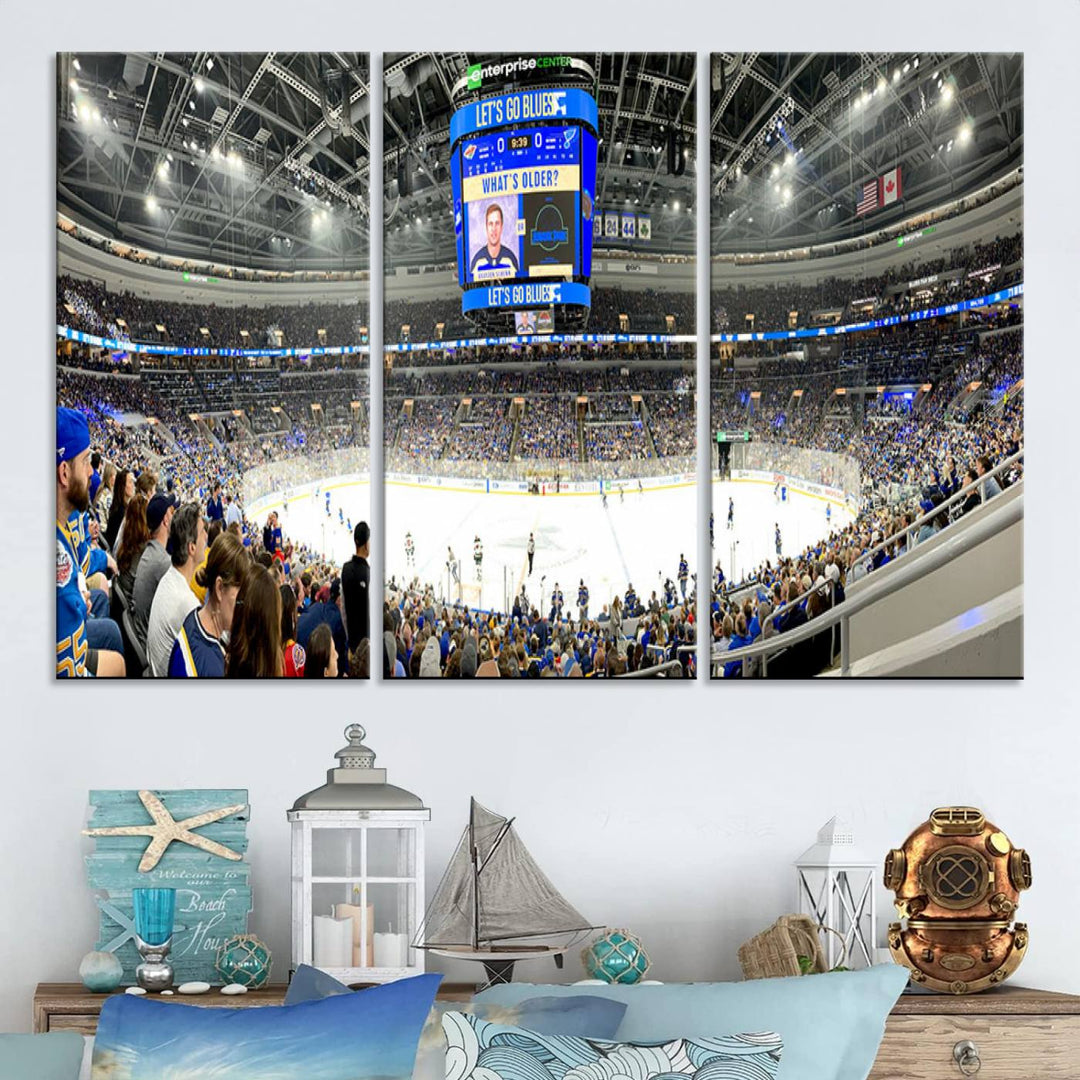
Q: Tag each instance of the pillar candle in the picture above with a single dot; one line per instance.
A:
(352, 912)
(333, 942)
(391, 951)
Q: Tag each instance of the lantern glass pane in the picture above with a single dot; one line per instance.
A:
(391, 853)
(394, 929)
(336, 852)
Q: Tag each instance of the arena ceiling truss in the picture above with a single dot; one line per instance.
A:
(248, 159)
(794, 137)
(643, 99)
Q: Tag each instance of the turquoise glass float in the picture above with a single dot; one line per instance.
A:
(245, 960)
(617, 957)
(101, 972)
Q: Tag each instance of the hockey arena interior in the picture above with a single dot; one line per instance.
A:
(539, 366)
(540, 488)
(212, 303)
(867, 365)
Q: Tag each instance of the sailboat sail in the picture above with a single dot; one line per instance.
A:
(516, 899)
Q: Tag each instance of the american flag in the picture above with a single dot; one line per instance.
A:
(869, 198)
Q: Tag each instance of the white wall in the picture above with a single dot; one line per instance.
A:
(675, 810)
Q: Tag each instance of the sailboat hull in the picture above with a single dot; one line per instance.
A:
(499, 960)
(499, 953)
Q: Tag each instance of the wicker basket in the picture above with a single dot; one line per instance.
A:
(775, 952)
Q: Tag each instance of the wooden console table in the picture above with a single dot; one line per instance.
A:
(71, 1007)
(1016, 1034)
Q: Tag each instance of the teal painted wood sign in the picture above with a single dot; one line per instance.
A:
(193, 841)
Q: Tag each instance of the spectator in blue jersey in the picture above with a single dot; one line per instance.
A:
(203, 637)
(215, 510)
(494, 256)
(74, 656)
(174, 599)
(325, 610)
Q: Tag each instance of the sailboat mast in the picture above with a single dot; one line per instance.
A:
(476, 873)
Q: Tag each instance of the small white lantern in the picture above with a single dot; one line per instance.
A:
(358, 872)
(836, 888)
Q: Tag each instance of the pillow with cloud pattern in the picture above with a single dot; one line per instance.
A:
(478, 1049)
(373, 1035)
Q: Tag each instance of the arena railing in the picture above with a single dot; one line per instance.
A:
(877, 590)
(652, 672)
(958, 496)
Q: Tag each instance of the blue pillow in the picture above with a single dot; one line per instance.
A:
(478, 1050)
(340, 1038)
(591, 1017)
(310, 984)
(831, 1024)
(56, 1056)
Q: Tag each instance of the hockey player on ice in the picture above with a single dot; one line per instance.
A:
(478, 557)
(684, 573)
(410, 550)
(778, 545)
(531, 549)
(730, 513)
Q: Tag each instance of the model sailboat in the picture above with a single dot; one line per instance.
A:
(494, 902)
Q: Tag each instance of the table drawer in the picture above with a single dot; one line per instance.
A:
(85, 1024)
(1009, 1047)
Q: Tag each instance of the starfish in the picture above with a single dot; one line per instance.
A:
(166, 829)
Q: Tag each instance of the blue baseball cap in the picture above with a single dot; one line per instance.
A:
(72, 434)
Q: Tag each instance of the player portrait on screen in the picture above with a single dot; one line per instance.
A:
(493, 227)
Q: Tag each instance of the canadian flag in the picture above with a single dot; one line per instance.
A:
(891, 188)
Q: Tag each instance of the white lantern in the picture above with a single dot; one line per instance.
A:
(836, 888)
(357, 872)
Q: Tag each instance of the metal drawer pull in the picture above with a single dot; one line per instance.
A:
(966, 1056)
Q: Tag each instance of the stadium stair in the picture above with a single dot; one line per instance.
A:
(515, 439)
(645, 421)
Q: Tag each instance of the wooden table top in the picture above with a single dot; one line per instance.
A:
(75, 998)
(1002, 1000)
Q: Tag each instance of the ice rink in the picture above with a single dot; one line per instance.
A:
(304, 519)
(634, 540)
(801, 518)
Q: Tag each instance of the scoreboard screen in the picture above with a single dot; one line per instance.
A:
(523, 181)
(521, 204)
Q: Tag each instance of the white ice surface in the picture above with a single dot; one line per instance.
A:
(637, 540)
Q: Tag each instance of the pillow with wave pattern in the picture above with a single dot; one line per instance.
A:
(477, 1049)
